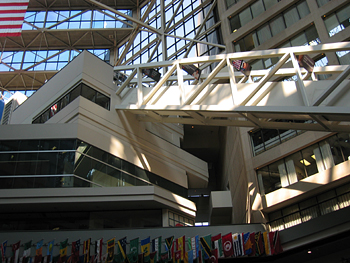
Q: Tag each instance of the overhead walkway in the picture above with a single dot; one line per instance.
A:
(285, 96)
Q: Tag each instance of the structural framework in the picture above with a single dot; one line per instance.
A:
(286, 96)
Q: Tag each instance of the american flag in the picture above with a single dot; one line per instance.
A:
(11, 17)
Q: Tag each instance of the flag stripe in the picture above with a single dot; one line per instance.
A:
(12, 14)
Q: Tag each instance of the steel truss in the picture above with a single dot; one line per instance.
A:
(225, 97)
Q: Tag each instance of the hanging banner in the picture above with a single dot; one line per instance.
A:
(192, 70)
(152, 73)
(242, 66)
(120, 77)
(306, 62)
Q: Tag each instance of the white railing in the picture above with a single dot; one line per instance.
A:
(223, 96)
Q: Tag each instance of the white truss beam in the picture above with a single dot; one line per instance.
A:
(218, 98)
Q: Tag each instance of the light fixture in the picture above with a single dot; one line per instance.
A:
(305, 162)
(309, 251)
(313, 157)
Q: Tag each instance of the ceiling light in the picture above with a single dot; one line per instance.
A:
(313, 157)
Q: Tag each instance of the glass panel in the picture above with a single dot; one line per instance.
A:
(75, 93)
(331, 152)
(250, 42)
(332, 25)
(312, 36)
(235, 23)
(67, 144)
(29, 145)
(322, 2)
(291, 16)
(26, 164)
(102, 100)
(344, 200)
(312, 160)
(257, 8)
(45, 116)
(64, 101)
(88, 93)
(47, 163)
(309, 214)
(344, 16)
(6, 183)
(49, 144)
(344, 144)
(278, 171)
(258, 142)
(128, 167)
(269, 3)
(271, 138)
(292, 219)
(264, 34)
(303, 9)
(295, 169)
(8, 163)
(277, 25)
(245, 16)
(23, 182)
(308, 203)
(329, 206)
(65, 162)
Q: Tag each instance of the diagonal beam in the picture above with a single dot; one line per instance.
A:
(136, 21)
(198, 41)
(159, 84)
(126, 82)
(332, 87)
(200, 28)
(321, 121)
(196, 116)
(266, 78)
(300, 83)
(206, 82)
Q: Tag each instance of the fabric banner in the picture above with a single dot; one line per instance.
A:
(217, 243)
(152, 73)
(98, 250)
(227, 245)
(168, 245)
(276, 243)
(3, 251)
(86, 250)
(152, 257)
(75, 251)
(157, 247)
(49, 250)
(134, 250)
(27, 249)
(12, 16)
(206, 245)
(192, 70)
(39, 251)
(214, 258)
(110, 249)
(180, 246)
(195, 246)
(306, 62)
(164, 257)
(63, 251)
(145, 248)
(242, 66)
(259, 246)
(238, 245)
(15, 252)
(122, 249)
(248, 244)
